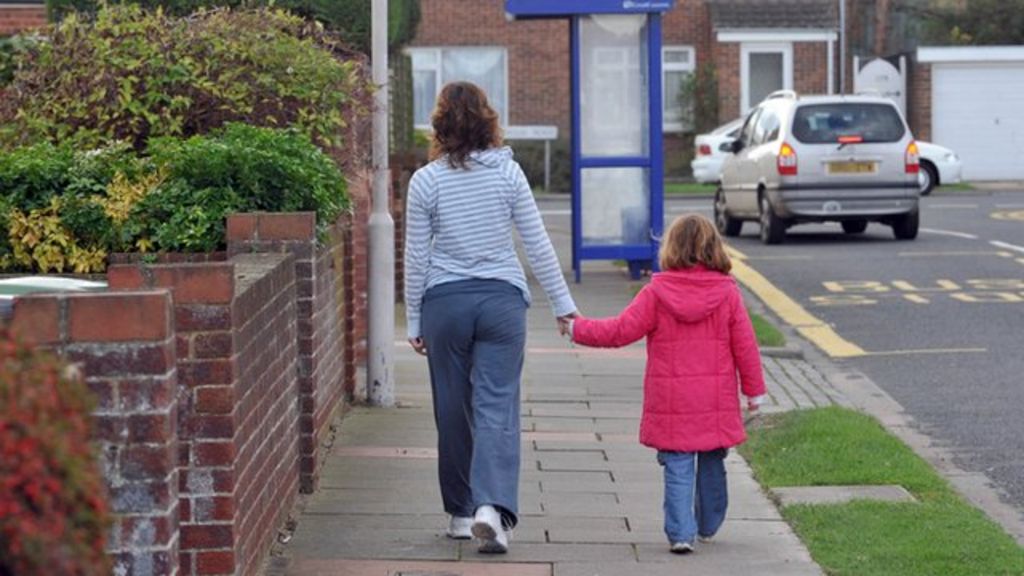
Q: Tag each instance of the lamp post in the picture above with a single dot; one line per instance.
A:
(380, 383)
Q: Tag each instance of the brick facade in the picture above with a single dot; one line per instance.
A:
(21, 17)
(920, 100)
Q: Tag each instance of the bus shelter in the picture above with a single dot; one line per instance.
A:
(617, 157)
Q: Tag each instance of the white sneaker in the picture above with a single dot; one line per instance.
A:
(460, 528)
(681, 547)
(487, 528)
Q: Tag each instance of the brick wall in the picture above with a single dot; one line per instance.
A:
(320, 304)
(218, 382)
(810, 67)
(20, 18)
(128, 361)
(920, 101)
(355, 278)
(727, 61)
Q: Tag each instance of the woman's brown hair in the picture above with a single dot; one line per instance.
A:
(692, 239)
(463, 122)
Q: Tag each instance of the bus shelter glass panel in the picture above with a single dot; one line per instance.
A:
(613, 95)
(615, 203)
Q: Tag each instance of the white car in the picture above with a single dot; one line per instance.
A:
(711, 149)
(939, 165)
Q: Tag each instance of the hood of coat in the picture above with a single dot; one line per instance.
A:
(492, 157)
(692, 294)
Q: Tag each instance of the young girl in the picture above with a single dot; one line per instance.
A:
(699, 337)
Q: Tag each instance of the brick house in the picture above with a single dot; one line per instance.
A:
(756, 47)
(20, 15)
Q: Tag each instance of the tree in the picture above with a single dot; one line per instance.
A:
(978, 22)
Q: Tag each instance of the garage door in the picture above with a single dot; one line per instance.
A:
(977, 111)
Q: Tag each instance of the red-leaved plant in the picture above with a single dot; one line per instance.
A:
(53, 515)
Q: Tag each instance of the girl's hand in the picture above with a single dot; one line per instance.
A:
(565, 324)
(419, 345)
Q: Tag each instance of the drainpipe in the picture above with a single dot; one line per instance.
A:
(842, 46)
(380, 374)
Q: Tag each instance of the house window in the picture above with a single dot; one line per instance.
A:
(764, 68)
(677, 64)
(432, 68)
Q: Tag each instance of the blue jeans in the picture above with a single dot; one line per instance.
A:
(475, 332)
(696, 495)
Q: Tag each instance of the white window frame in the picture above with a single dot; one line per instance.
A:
(748, 48)
(666, 67)
(438, 52)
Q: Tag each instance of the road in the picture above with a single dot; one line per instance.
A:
(937, 322)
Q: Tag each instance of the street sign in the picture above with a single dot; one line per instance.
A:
(535, 132)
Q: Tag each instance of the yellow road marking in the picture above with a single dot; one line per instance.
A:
(955, 253)
(1008, 215)
(928, 351)
(791, 312)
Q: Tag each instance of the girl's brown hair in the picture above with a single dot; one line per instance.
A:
(692, 239)
(463, 122)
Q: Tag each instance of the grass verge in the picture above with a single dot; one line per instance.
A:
(766, 332)
(688, 188)
(940, 534)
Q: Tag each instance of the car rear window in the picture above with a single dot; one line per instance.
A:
(826, 123)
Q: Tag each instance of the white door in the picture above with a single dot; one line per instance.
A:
(977, 112)
(764, 68)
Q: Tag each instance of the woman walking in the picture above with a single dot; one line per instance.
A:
(466, 298)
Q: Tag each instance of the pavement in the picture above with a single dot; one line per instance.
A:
(590, 494)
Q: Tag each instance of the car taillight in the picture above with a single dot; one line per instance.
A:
(704, 150)
(787, 160)
(912, 159)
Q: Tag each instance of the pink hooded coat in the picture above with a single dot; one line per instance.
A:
(699, 337)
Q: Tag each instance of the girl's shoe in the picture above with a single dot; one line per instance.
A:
(460, 528)
(682, 547)
(487, 528)
(704, 538)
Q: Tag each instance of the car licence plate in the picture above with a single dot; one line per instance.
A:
(851, 167)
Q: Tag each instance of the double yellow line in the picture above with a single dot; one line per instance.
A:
(808, 325)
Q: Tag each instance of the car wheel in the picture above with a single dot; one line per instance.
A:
(773, 228)
(905, 227)
(927, 178)
(854, 226)
(727, 225)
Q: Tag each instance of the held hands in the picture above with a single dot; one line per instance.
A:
(418, 345)
(565, 324)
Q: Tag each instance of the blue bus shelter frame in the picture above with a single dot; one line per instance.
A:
(638, 256)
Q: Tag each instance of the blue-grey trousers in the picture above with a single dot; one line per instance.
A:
(475, 333)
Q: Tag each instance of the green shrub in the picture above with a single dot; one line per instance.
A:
(133, 75)
(350, 17)
(66, 211)
(10, 49)
(530, 155)
(53, 516)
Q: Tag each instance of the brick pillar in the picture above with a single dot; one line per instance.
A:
(321, 316)
(236, 345)
(124, 344)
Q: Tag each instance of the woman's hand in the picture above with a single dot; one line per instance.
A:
(418, 345)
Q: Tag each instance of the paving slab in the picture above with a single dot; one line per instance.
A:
(841, 494)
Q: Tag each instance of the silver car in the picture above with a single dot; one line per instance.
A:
(846, 159)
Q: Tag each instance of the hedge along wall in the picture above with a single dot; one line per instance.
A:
(217, 383)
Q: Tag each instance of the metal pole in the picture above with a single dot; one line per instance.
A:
(547, 166)
(842, 46)
(380, 354)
